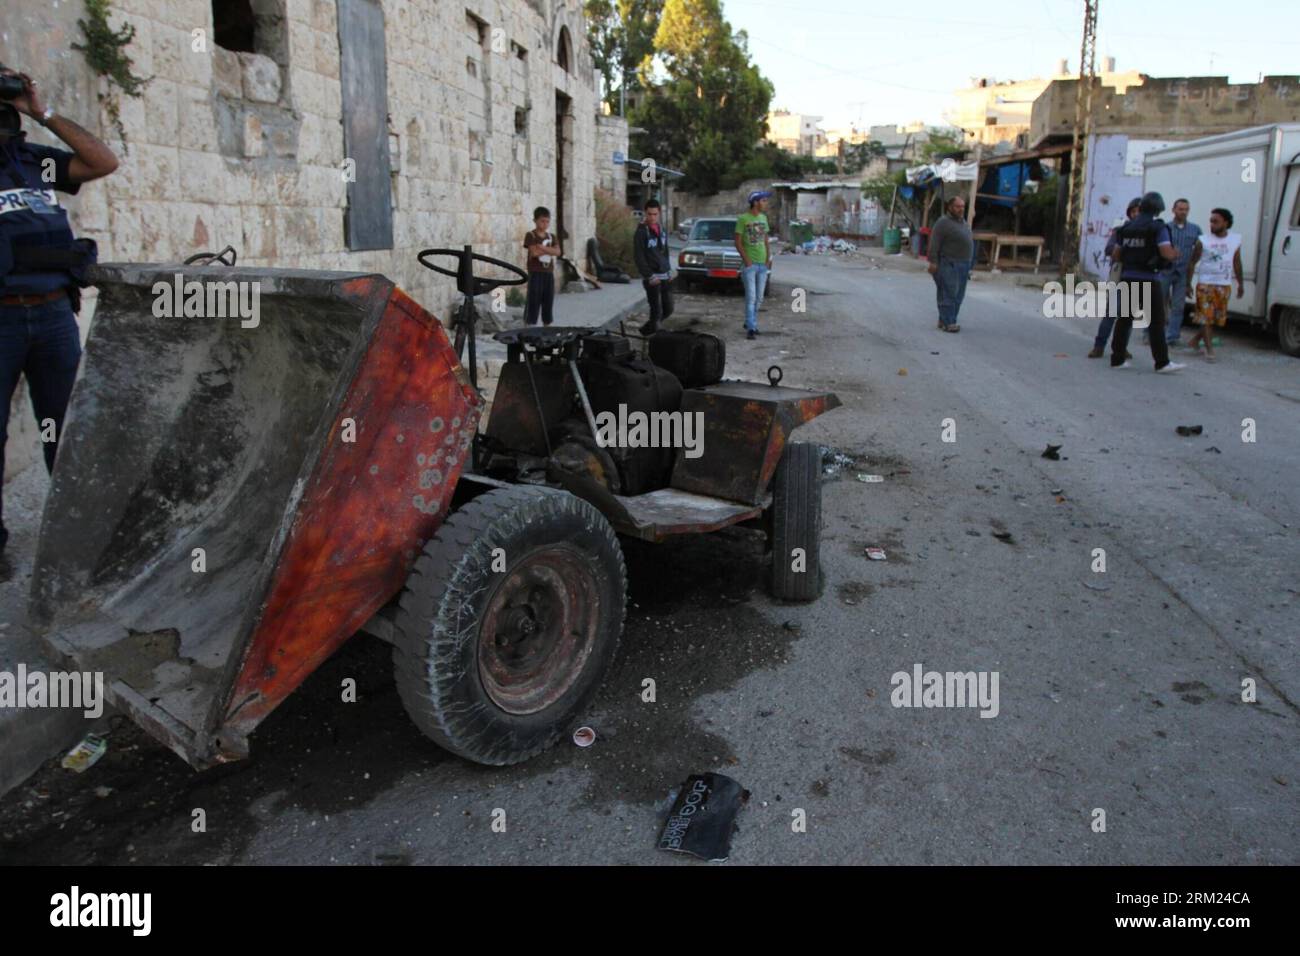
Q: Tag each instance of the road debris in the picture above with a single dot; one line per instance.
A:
(1097, 585)
(902, 371)
(584, 736)
(870, 479)
(1004, 536)
(834, 461)
(1215, 449)
(1052, 453)
(876, 554)
(1188, 430)
(703, 817)
(84, 756)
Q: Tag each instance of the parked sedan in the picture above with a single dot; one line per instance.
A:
(709, 255)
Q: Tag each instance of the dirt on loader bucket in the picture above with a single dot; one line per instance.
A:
(234, 497)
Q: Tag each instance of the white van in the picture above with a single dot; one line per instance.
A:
(1255, 174)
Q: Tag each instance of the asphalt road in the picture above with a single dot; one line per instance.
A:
(1118, 691)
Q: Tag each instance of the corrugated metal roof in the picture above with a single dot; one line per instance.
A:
(857, 184)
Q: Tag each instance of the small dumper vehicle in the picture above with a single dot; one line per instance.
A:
(234, 498)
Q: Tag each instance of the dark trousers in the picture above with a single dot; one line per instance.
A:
(41, 342)
(541, 297)
(660, 298)
(1154, 297)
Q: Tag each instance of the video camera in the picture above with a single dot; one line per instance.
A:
(11, 87)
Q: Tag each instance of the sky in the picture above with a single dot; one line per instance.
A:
(870, 62)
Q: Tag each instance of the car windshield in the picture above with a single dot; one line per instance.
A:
(714, 230)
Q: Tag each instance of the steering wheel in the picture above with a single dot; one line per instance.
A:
(466, 282)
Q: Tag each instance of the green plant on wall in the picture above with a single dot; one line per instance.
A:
(105, 51)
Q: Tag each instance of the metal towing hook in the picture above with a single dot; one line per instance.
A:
(226, 257)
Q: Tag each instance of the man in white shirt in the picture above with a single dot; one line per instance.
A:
(1219, 256)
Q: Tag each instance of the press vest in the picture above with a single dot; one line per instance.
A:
(1139, 242)
(38, 252)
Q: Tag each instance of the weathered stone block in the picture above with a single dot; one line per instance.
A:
(227, 74)
(261, 78)
(253, 143)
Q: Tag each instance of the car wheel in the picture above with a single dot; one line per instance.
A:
(796, 523)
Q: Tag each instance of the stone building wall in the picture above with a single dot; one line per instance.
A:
(247, 148)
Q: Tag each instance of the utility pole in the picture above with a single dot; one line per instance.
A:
(1082, 130)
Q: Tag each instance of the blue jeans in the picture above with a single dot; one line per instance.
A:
(41, 342)
(1175, 283)
(755, 281)
(950, 288)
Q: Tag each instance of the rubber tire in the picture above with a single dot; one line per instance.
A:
(1288, 331)
(797, 522)
(436, 667)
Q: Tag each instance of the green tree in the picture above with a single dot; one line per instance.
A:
(858, 155)
(940, 140)
(710, 113)
(621, 35)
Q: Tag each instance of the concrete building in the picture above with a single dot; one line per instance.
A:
(1132, 120)
(993, 111)
(328, 134)
(797, 133)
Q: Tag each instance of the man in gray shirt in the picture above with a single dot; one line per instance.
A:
(951, 253)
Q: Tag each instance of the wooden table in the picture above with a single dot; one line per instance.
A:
(991, 238)
(1015, 242)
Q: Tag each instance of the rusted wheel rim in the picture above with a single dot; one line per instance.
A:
(538, 630)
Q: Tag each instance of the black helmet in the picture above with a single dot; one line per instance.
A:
(1152, 204)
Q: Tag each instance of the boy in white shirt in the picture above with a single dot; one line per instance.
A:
(1219, 255)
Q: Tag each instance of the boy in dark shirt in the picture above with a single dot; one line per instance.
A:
(654, 262)
(542, 248)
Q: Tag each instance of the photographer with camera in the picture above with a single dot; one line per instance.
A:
(42, 265)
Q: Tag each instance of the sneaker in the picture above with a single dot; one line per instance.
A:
(649, 329)
(1171, 367)
(751, 334)
(1209, 357)
(1127, 363)
(1096, 353)
(954, 327)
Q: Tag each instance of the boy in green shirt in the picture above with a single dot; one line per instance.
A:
(751, 243)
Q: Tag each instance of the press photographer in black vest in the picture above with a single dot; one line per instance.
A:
(1144, 247)
(42, 265)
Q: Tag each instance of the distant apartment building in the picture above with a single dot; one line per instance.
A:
(797, 133)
